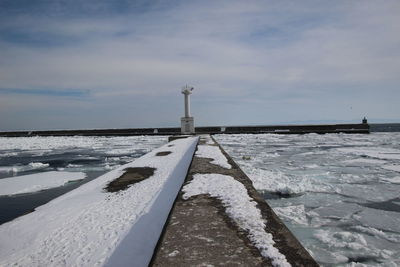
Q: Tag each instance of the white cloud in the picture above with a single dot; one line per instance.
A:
(281, 52)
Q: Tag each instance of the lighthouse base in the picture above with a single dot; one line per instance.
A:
(187, 125)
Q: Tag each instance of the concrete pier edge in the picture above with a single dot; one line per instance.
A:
(285, 241)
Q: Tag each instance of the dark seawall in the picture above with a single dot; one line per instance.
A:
(277, 129)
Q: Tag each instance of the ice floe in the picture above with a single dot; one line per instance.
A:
(22, 168)
(379, 219)
(36, 182)
(296, 214)
(395, 168)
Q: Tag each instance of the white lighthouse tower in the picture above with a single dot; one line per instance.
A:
(187, 122)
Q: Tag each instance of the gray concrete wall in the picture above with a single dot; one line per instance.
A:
(278, 129)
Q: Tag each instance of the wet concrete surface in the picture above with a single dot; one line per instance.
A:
(130, 176)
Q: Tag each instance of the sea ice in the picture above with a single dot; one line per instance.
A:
(368, 192)
(36, 182)
(395, 168)
(364, 161)
(338, 210)
(393, 180)
(295, 214)
(277, 181)
(379, 219)
(333, 176)
(373, 152)
(23, 168)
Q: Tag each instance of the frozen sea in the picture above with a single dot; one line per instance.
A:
(338, 193)
(44, 157)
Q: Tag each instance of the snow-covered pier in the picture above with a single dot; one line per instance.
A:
(219, 219)
(186, 203)
(115, 219)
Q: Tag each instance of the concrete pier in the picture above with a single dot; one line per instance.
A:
(200, 233)
(275, 129)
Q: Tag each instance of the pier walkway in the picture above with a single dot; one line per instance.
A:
(206, 230)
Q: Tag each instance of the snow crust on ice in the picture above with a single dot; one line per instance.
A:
(88, 226)
(240, 207)
(214, 153)
(22, 168)
(37, 182)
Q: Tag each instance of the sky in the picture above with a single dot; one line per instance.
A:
(69, 64)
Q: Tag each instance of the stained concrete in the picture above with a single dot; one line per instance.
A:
(199, 233)
(130, 176)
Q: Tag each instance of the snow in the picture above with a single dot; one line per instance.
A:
(21, 168)
(91, 227)
(36, 182)
(173, 253)
(240, 207)
(214, 153)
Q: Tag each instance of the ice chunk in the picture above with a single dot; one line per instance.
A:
(368, 192)
(295, 214)
(395, 168)
(277, 181)
(375, 232)
(393, 180)
(338, 210)
(36, 182)
(23, 168)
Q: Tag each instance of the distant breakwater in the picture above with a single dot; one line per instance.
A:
(361, 128)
